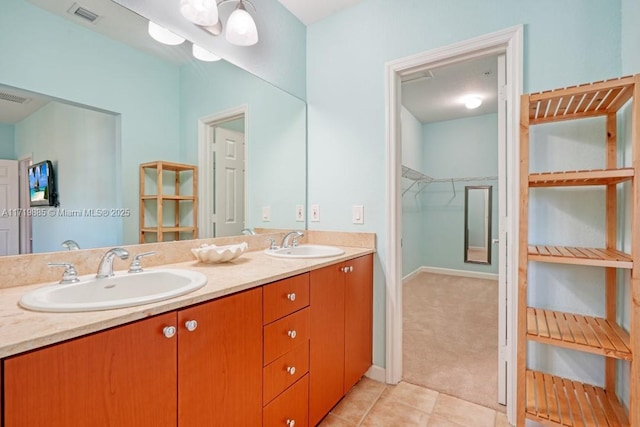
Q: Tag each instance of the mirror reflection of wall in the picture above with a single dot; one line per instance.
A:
(151, 105)
(477, 224)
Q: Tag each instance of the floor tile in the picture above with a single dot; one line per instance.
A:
(501, 420)
(436, 421)
(390, 413)
(412, 395)
(355, 405)
(464, 413)
(332, 420)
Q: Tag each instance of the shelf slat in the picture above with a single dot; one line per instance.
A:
(584, 333)
(580, 178)
(167, 197)
(169, 229)
(597, 257)
(554, 400)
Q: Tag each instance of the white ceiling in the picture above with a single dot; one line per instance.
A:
(310, 11)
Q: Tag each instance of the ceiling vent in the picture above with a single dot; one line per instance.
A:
(421, 75)
(83, 13)
(5, 96)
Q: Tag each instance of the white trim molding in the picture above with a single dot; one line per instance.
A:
(450, 272)
(510, 42)
(376, 373)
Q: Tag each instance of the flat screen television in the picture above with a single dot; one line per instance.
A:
(42, 184)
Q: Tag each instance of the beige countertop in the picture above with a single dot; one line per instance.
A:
(23, 330)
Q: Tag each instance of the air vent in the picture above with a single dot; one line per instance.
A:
(421, 75)
(83, 13)
(13, 98)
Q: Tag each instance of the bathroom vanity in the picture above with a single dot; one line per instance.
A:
(278, 345)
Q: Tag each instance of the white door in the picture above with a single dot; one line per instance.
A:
(502, 229)
(9, 214)
(228, 209)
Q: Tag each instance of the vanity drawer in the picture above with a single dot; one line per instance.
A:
(289, 409)
(284, 297)
(283, 335)
(284, 371)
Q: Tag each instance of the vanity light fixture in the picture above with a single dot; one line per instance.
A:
(241, 28)
(472, 102)
(203, 55)
(161, 34)
(200, 12)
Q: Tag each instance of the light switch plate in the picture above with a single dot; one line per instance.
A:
(315, 213)
(357, 214)
(266, 213)
(299, 213)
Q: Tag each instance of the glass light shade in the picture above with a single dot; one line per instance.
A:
(200, 12)
(203, 54)
(241, 28)
(163, 35)
(472, 102)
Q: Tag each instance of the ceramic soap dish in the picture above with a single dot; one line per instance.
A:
(211, 254)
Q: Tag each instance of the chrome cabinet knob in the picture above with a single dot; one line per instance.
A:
(291, 296)
(350, 269)
(291, 423)
(169, 331)
(292, 334)
(345, 269)
(291, 370)
(191, 325)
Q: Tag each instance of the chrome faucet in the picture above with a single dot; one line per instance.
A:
(105, 269)
(70, 245)
(248, 232)
(294, 242)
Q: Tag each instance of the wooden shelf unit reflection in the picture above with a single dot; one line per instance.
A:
(180, 173)
(543, 397)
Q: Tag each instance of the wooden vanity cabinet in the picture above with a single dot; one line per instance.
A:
(125, 376)
(341, 308)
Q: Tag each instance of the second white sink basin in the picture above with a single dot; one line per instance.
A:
(121, 290)
(305, 251)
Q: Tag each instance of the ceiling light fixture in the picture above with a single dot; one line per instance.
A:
(204, 55)
(241, 28)
(472, 102)
(163, 35)
(200, 12)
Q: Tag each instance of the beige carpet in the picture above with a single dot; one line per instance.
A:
(451, 336)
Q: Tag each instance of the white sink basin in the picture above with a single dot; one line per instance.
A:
(305, 251)
(121, 290)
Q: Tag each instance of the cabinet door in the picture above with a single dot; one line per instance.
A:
(326, 351)
(220, 362)
(124, 376)
(358, 321)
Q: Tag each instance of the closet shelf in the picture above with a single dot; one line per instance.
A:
(583, 333)
(594, 99)
(553, 400)
(596, 257)
(169, 230)
(581, 178)
(168, 197)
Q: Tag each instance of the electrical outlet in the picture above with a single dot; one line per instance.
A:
(357, 214)
(299, 213)
(315, 213)
(266, 213)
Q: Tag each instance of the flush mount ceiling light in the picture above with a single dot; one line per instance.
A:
(200, 12)
(472, 102)
(204, 55)
(163, 35)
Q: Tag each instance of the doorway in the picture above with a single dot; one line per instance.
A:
(222, 165)
(508, 42)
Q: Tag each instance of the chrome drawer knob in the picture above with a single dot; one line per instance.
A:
(191, 325)
(169, 331)
(292, 334)
(291, 296)
(291, 370)
(291, 423)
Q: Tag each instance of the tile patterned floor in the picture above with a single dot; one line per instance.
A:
(374, 404)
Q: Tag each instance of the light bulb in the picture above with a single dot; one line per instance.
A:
(163, 35)
(241, 28)
(203, 55)
(200, 12)
(472, 102)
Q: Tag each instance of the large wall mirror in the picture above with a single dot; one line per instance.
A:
(477, 224)
(103, 98)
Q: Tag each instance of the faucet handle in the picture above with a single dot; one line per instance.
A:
(272, 243)
(70, 274)
(136, 265)
(294, 240)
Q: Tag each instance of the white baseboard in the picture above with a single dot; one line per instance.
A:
(451, 272)
(376, 373)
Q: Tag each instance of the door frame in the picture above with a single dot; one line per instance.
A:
(510, 42)
(26, 239)
(205, 124)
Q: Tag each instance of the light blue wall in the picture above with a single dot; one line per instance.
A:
(7, 141)
(346, 54)
(275, 134)
(630, 36)
(81, 145)
(459, 148)
(49, 55)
